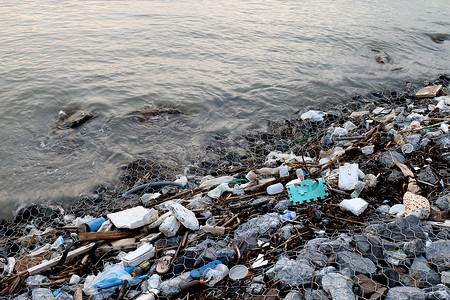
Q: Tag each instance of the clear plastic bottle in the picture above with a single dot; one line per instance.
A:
(216, 230)
(216, 275)
(358, 189)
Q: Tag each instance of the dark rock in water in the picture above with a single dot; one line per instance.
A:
(439, 38)
(422, 273)
(401, 230)
(405, 293)
(382, 57)
(355, 263)
(148, 113)
(73, 119)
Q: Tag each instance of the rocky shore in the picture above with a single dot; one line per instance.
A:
(349, 203)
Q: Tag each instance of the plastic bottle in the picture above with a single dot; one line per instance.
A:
(288, 215)
(216, 230)
(358, 189)
(216, 275)
(300, 174)
(275, 189)
(141, 269)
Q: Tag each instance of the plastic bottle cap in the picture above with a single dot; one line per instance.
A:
(238, 272)
(407, 148)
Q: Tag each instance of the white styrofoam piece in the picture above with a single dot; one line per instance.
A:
(133, 218)
(357, 205)
(348, 176)
(170, 226)
(184, 215)
(141, 254)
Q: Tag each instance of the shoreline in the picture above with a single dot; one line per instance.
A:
(319, 143)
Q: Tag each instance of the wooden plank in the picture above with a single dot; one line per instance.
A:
(53, 262)
(104, 236)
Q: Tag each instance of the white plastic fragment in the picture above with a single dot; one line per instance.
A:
(74, 279)
(133, 218)
(182, 180)
(170, 226)
(184, 215)
(349, 126)
(367, 149)
(348, 176)
(398, 210)
(370, 180)
(284, 171)
(339, 131)
(314, 115)
(159, 221)
(357, 205)
(219, 190)
(215, 181)
(268, 171)
(141, 254)
(444, 128)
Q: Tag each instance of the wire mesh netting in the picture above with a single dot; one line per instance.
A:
(312, 248)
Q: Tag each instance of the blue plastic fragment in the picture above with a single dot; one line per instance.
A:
(307, 191)
(198, 273)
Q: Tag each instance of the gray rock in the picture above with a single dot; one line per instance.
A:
(422, 273)
(405, 293)
(318, 275)
(425, 141)
(414, 140)
(282, 205)
(315, 295)
(438, 292)
(370, 246)
(255, 288)
(445, 277)
(389, 158)
(326, 245)
(443, 202)
(355, 263)
(286, 231)
(401, 230)
(427, 175)
(383, 210)
(438, 254)
(22, 297)
(293, 295)
(226, 255)
(393, 277)
(338, 286)
(259, 226)
(292, 272)
(414, 248)
(314, 257)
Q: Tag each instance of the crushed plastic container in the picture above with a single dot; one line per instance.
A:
(212, 276)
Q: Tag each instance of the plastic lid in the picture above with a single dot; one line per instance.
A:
(238, 272)
(407, 148)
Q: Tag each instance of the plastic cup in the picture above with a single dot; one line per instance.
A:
(407, 148)
(238, 272)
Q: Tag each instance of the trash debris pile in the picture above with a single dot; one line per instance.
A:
(330, 205)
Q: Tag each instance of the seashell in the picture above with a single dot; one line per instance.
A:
(416, 205)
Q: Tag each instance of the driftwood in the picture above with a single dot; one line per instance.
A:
(106, 236)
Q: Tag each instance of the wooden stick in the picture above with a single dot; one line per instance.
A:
(99, 236)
